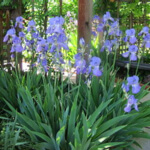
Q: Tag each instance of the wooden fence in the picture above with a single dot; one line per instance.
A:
(4, 26)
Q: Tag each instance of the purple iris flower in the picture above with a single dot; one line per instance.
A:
(80, 66)
(56, 20)
(42, 46)
(21, 34)
(53, 48)
(29, 43)
(100, 27)
(108, 45)
(58, 29)
(41, 59)
(80, 63)
(61, 38)
(19, 22)
(145, 30)
(130, 33)
(12, 56)
(107, 17)
(63, 45)
(125, 87)
(132, 52)
(16, 46)
(50, 30)
(94, 66)
(95, 61)
(131, 101)
(134, 83)
(44, 62)
(55, 25)
(96, 17)
(114, 28)
(94, 33)
(57, 38)
(78, 56)
(59, 58)
(51, 39)
(82, 42)
(146, 40)
(31, 26)
(35, 35)
(10, 33)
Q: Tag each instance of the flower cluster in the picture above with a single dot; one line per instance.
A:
(130, 39)
(38, 46)
(57, 39)
(83, 67)
(146, 37)
(133, 85)
(70, 22)
(110, 27)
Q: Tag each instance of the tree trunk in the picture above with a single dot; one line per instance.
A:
(85, 23)
(85, 26)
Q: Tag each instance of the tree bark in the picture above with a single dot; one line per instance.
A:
(85, 23)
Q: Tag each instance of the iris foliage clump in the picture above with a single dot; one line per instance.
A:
(46, 112)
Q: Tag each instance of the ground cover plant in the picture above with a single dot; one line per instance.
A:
(43, 111)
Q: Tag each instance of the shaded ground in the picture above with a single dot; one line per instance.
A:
(144, 75)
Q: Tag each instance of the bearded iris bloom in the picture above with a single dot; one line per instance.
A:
(80, 63)
(31, 26)
(134, 83)
(41, 59)
(58, 39)
(11, 33)
(145, 30)
(16, 46)
(80, 66)
(21, 34)
(19, 22)
(132, 101)
(125, 87)
(132, 52)
(100, 27)
(107, 45)
(42, 46)
(146, 40)
(114, 29)
(107, 17)
(94, 66)
(82, 42)
(130, 34)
